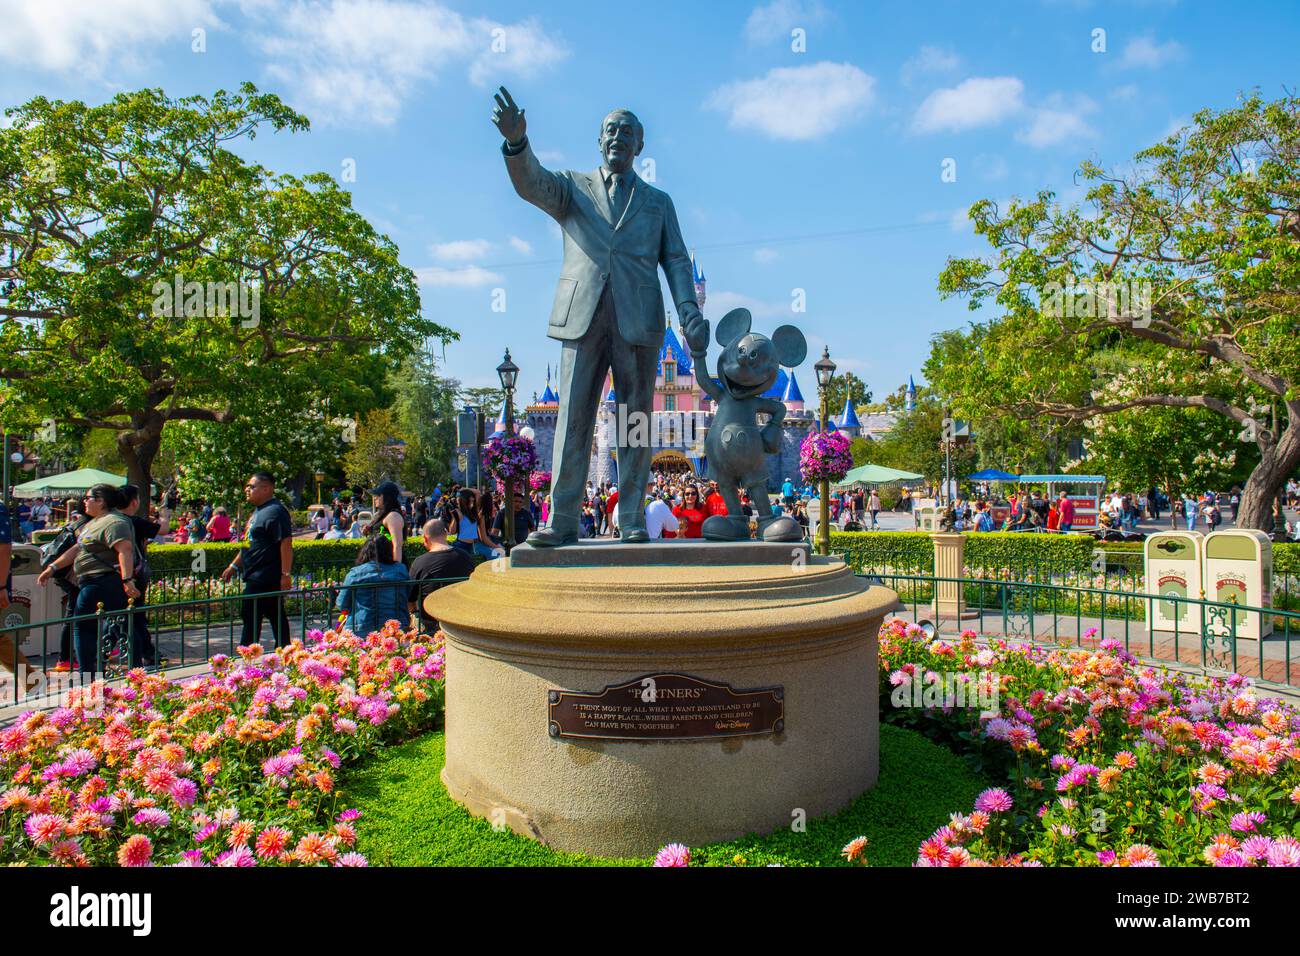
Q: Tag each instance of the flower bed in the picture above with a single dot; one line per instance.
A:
(232, 768)
(1107, 762)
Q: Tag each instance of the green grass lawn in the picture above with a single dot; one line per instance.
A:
(409, 820)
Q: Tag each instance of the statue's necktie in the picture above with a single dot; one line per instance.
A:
(616, 195)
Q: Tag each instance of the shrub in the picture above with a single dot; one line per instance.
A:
(236, 767)
(986, 554)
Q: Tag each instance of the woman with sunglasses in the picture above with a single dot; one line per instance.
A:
(691, 513)
(103, 560)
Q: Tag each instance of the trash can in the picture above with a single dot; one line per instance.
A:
(1239, 570)
(1173, 569)
(29, 603)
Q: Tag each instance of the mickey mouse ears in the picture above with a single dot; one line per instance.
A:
(791, 347)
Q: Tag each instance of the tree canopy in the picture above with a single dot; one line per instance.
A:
(151, 275)
(1174, 286)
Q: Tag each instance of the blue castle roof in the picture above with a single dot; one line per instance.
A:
(792, 393)
(850, 417)
(678, 351)
(549, 397)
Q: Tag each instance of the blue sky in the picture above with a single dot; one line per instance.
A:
(813, 162)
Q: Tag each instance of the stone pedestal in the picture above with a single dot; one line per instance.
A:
(949, 561)
(745, 615)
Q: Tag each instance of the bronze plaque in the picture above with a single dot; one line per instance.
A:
(667, 707)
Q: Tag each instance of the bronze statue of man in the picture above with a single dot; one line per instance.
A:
(608, 310)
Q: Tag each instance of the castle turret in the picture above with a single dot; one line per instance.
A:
(909, 398)
(698, 277)
(793, 398)
(848, 424)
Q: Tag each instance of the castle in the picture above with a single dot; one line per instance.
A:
(681, 417)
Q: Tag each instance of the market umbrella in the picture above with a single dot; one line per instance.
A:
(66, 484)
(876, 475)
(992, 474)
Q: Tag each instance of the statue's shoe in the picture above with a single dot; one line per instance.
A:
(551, 538)
(726, 528)
(779, 528)
(634, 535)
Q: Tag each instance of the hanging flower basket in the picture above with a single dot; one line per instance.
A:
(510, 458)
(824, 456)
(540, 480)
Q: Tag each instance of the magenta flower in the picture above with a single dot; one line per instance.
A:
(152, 817)
(824, 456)
(674, 854)
(1247, 822)
(993, 800)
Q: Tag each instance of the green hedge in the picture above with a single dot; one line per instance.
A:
(913, 550)
(307, 555)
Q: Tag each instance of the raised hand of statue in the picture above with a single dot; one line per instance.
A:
(695, 327)
(509, 118)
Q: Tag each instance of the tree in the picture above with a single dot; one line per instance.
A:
(156, 277)
(842, 387)
(915, 443)
(379, 451)
(216, 460)
(1177, 288)
(424, 410)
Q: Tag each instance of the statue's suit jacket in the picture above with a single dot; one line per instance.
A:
(625, 254)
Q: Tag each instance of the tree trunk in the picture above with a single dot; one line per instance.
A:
(138, 455)
(1277, 463)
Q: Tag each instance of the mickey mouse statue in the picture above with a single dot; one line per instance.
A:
(736, 445)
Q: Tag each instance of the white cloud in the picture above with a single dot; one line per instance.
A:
(1124, 93)
(549, 156)
(469, 277)
(774, 21)
(461, 250)
(521, 49)
(764, 255)
(359, 60)
(521, 246)
(94, 37)
(959, 221)
(1145, 53)
(929, 59)
(978, 101)
(1057, 121)
(797, 103)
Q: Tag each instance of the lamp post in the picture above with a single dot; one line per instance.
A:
(320, 476)
(508, 372)
(825, 369)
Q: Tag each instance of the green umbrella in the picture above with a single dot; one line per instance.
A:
(876, 475)
(67, 484)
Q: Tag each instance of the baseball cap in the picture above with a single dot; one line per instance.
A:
(386, 487)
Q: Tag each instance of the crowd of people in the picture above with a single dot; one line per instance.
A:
(99, 558)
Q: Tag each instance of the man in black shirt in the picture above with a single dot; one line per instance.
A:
(266, 564)
(142, 649)
(431, 570)
(524, 523)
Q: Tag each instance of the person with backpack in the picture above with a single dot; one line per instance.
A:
(104, 561)
(65, 582)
